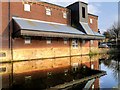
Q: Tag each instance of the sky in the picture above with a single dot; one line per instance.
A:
(107, 11)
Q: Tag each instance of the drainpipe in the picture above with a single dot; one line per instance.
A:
(10, 46)
(9, 23)
(70, 50)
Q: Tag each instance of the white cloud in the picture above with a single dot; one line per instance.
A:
(93, 9)
(102, 31)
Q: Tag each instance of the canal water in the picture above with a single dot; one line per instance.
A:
(50, 73)
(111, 65)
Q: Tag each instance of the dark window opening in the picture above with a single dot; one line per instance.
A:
(2, 54)
(83, 12)
(3, 69)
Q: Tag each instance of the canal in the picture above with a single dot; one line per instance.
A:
(111, 65)
(68, 73)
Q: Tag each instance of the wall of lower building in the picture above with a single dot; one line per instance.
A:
(39, 48)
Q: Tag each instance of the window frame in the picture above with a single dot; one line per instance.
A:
(65, 40)
(83, 12)
(48, 11)
(91, 20)
(27, 7)
(91, 42)
(65, 15)
(92, 66)
(27, 40)
(75, 43)
(93, 87)
(48, 40)
(83, 42)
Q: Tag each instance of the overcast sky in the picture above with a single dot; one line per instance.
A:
(106, 10)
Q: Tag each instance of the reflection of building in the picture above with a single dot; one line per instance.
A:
(37, 69)
(36, 30)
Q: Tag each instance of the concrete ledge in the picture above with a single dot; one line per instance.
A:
(69, 84)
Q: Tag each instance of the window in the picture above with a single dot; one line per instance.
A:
(27, 40)
(48, 11)
(83, 42)
(91, 42)
(26, 7)
(75, 43)
(83, 12)
(2, 69)
(93, 87)
(2, 54)
(48, 41)
(91, 21)
(65, 41)
(92, 66)
(64, 15)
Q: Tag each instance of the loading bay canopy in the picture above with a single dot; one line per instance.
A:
(30, 27)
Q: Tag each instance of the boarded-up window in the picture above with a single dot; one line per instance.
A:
(93, 87)
(48, 11)
(26, 7)
(91, 42)
(27, 40)
(65, 41)
(92, 66)
(91, 21)
(2, 54)
(83, 42)
(48, 41)
(64, 15)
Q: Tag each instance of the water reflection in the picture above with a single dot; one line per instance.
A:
(48, 73)
(112, 66)
(51, 72)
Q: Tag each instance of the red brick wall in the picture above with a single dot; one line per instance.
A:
(87, 43)
(0, 24)
(94, 24)
(0, 18)
(38, 12)
(4, 27)
(40, 43)
(95, 43)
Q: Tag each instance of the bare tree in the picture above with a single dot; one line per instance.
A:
(114, 32)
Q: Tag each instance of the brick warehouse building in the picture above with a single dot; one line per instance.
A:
(40, 30)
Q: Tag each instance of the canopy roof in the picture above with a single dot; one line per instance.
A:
(32, 27)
